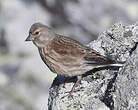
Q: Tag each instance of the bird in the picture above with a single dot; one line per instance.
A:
(65, 56)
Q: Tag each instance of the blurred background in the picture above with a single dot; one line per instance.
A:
(24, 78)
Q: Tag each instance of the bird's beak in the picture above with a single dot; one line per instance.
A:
(29, 38)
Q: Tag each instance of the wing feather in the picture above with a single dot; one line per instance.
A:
(71, 52)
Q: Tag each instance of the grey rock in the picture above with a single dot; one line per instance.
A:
(110, 88)
(126, 94)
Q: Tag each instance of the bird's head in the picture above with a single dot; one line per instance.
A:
(40, 34)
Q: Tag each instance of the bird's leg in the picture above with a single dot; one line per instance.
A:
(78, 79)
(63, 84)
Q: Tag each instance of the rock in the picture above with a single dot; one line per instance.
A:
(110, 88)
(126, 94)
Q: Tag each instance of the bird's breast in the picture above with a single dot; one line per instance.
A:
(60, 64)
(51, 60)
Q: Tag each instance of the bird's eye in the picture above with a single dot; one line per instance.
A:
(37, 32)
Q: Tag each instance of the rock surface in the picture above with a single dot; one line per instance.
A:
(108, 88)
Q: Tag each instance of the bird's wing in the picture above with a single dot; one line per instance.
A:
(94, 58)
(71, 52)
(67, 50)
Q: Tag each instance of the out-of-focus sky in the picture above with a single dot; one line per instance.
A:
(24, 78)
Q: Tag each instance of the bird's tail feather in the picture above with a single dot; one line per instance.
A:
(107, 62)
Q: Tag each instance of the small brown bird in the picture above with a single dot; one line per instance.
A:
(65, 56)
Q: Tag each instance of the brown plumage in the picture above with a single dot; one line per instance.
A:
(65, 56)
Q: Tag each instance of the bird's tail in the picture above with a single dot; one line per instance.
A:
(108, 62)
(116, 63)
(112, 63)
